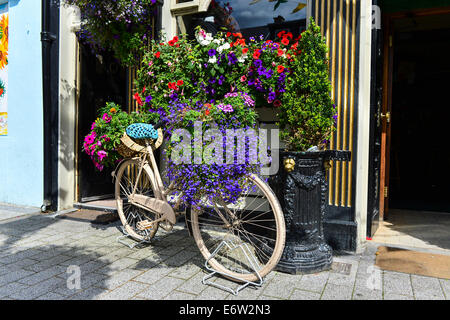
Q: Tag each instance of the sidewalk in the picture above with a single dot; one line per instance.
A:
(40, 257)
(8, 211)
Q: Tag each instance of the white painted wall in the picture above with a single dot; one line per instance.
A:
(169, 22)
(69, 16)
(363, 127)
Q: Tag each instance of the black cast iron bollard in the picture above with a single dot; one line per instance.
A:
(302, 190)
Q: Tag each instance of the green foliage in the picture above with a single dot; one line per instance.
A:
(307, 115)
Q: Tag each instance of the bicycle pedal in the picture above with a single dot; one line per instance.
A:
(144, 225)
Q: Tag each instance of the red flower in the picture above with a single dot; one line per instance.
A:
(285, 41)
(281, 33)
(228, 34)
(244, 51)
(207, 112)
(175, 39)
(180, 82)
(289, 35)
(173, 86)
(277, 103)
(138, 99)
(158, 54)
(280, 52)
(280, 69)
(256, 54)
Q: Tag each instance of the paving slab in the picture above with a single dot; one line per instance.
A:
(38, 256)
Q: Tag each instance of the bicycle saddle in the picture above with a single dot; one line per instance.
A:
(142, 131)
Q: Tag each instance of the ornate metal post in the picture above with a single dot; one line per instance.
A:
(302, 190)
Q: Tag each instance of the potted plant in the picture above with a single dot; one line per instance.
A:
(307, 118)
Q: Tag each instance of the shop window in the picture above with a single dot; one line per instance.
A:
(252, 20)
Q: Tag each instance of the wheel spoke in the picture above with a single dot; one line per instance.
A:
(251, 229)
(127, 179)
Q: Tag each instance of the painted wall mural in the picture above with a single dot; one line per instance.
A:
(4, 36)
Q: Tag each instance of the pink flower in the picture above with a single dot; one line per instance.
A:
(98, 165)
(102, 155)
(94, 125)
(107, 118)
(243, 78)
(106, 138)
(90, 138)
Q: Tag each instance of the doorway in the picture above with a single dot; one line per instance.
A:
(102, 80)
(419, 177)
(415, 170)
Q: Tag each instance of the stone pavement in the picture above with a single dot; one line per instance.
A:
(41, 258)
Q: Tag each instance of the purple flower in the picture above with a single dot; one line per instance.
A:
(232, 59)
(272, 96)
(212, 52)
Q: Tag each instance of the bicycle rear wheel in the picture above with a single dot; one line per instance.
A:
(251, 227)
(130, 215)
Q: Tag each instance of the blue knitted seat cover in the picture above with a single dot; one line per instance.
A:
(142, 131)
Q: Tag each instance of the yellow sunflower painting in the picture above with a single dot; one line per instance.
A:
(4, 27)
(4, 42)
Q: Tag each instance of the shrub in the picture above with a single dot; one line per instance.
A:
(307, 115)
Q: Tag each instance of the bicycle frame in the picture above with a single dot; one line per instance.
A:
(159, 204)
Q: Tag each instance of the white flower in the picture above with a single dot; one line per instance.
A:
(216, 41)
(213, 59)
(242, 58)
(225, 46)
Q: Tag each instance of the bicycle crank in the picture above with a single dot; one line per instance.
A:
(159, 207)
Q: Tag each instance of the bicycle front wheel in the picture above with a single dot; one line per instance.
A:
(128, 180)
(244, 239)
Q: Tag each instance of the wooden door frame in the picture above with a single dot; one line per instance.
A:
(388, 64)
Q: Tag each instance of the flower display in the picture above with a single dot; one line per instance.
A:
(213, 85)
(219, 80)
(123, 26)
(102, 142)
